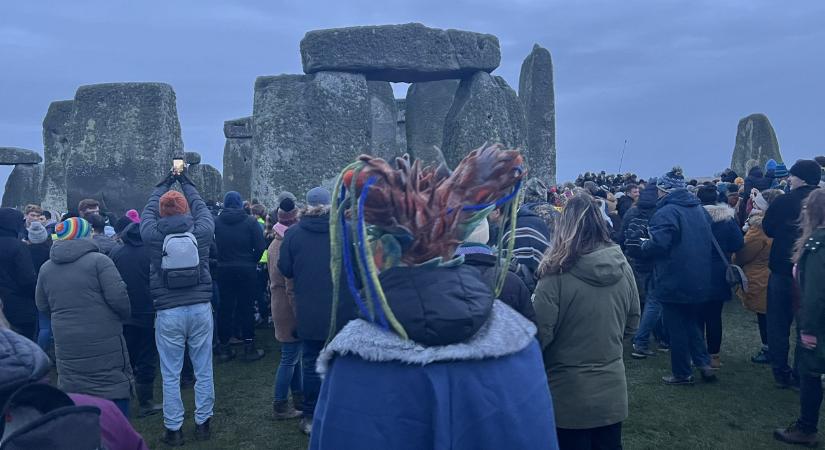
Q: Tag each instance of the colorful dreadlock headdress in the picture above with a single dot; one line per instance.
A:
(384, 217)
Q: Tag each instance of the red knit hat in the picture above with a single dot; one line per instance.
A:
(173, 203)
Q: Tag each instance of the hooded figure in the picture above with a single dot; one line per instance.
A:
(79, 286)
(17, 274)
(428, 320)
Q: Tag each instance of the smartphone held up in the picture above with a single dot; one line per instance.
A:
(178, 166)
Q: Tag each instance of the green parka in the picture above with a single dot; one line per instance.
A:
(811, 271)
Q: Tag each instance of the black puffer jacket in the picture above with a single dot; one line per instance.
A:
(438, 305)
(153, 229)
(514, 292)
(239, 239)
(17, 275)
(781, 223)
(637, 220)
(131, 258)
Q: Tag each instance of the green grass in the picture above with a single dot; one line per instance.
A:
(738, 412)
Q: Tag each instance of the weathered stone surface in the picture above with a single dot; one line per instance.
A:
(409, 52)
(56, 127)
(755, 139)
(535, 90)
(384, 120)
(401, 124)
(10, 156)
(306, 129)
(427, 106)
(191, 157)
(208, 180)
(23, 186)
(123, 139)
(485, 109)
(237, 156)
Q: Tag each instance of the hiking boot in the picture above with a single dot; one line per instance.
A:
(715, 362)
(298, 401)
(794, 435)
(641, 353)
(146, 404)
(173, 438)
(202, 432)
(305, 425)
(225, 353)
(677, 381)
(282, 411)
(761, 357)
(250, 353)
(708, 375)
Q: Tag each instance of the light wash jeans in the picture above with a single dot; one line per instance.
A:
(289, 371)
(175, 328)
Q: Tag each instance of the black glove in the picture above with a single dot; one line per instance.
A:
(168, 181)
(184, 179)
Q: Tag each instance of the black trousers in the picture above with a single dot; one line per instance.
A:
(711, 316)
(238, 286)
(602, 438)
(143, 353)
(762, 320)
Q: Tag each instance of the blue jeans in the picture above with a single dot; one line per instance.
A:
(175, 329)
(651, 323)
(779, 320)
(44, 330)
(286, 376)
(312, 381)
(686, 340)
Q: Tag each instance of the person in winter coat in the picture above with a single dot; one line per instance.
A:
(240, 242)
(533, 231)
(304, 258)
(755, 180)
(809, 256)
(729, 237)
(131, 258)
(183, 318)
(452, 367)
(636, 221)
(17, 274)
(753, 259)
(80, 287)
(282, 301)
(781, 224)
(104, 242)
(40, 245)
(514, 292)
(586, 302)
(680, 245)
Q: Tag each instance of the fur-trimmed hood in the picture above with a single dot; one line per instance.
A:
(720, 212)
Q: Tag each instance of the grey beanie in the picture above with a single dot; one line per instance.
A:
(37, 233)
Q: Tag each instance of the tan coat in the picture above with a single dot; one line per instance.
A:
(753, 258)
(282, 295)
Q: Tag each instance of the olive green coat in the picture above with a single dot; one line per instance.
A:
(812, 314)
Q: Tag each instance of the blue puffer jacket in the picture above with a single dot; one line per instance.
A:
(681, 246)
(729, 236)
(483, 390)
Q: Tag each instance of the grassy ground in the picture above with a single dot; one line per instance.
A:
(738, 412)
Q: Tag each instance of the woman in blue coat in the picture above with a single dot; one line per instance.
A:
(435, 362)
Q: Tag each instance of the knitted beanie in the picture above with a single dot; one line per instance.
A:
(287, 212)
(232, 199)
(173, 203)
(808, 170)
(37, 233)
(781, 171)
(672, 180)
(73, 228)
(133, 215)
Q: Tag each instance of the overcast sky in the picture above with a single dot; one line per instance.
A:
(671, 77)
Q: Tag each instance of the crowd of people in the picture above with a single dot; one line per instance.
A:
(413, 277)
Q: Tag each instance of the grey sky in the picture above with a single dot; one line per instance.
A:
(672, 77)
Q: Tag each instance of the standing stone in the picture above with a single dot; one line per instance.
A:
(401, 124)
(23, 186)
(191, 157)
(208, 180)
(427, 106)
(10, 156)
(384, 120)
(237, 156)
(123, 139)
(56, 127)
(485, 109)
(755, 139)
(306, 128)
(408, 53)
(535, 89)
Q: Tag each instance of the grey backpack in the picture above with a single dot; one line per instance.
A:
(180, 262)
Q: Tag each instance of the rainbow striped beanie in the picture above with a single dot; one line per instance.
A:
(73, 228)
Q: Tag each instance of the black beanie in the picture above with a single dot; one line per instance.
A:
(707, 194)
(808, 170)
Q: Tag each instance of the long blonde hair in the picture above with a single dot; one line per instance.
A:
(812, 218)
(580, 230)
